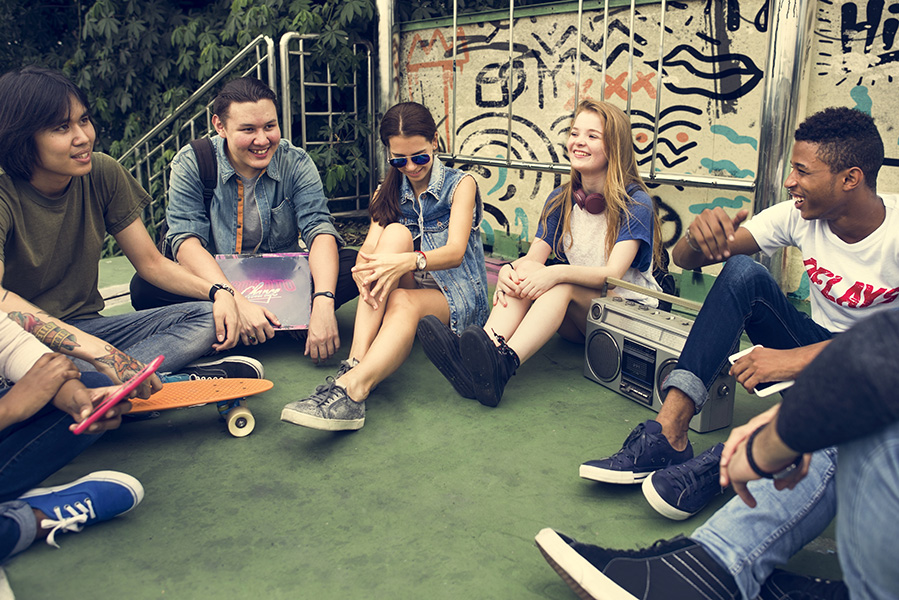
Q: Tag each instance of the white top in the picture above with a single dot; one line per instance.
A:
(848, 281)
(19, 350)
(588, 249)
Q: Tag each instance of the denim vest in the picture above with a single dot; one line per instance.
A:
(465, 286)
(289, 196)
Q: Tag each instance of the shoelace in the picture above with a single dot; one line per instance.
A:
(323, 394)
(693, 476)
(635, 444)
(79, 514)
(195, 377)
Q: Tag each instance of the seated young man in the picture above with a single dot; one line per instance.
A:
(58, 200)
(37, 414)
(845, 398)
(849, 239)
(268, 193)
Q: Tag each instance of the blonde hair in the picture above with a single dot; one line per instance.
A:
(618, 144)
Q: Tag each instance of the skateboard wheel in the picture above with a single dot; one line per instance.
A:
(241, 422)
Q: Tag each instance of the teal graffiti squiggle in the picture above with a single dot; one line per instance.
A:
(733, 137)
(501, 181)
(521, 219)
(726, 165)
(737, 202)
(863, 102)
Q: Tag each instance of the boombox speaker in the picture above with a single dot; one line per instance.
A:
(631, 348)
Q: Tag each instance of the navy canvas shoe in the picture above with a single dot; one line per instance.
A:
(681, 491)
(645, 450)
(677, 568)
(783, 585)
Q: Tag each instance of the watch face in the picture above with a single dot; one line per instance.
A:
(421, 262)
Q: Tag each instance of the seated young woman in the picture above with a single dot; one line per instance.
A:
(600, 224)
(423, 256)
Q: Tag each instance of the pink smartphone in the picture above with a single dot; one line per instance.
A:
(121, 393)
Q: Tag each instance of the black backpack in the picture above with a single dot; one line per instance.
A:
(208, 168)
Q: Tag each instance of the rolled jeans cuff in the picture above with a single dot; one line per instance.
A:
(689, 384)
(23, 516)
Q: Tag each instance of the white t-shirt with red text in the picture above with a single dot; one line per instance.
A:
(848, 281)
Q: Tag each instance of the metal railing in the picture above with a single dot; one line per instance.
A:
(148, 159)
(338, 102)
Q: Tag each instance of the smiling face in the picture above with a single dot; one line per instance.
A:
(586, 150)
(400, 146)
(814, 190)
(252, 134)
(64, 151)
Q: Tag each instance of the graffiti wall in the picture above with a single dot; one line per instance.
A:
(713, 59)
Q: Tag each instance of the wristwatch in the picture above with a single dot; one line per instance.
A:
(219, 286)
(421, 261)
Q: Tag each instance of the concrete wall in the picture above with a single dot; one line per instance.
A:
(713, 57)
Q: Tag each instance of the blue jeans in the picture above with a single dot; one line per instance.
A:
(30, 452)
(743, 297)
(868, 499)
(751, 542)
(182, 332)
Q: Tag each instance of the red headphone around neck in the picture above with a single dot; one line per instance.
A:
(592, 203)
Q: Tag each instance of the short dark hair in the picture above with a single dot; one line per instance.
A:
(32, 99)
(846, 138)
(244, 89)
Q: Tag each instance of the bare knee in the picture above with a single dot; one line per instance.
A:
(396, 237)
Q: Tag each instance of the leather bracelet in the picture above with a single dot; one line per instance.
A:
(325, 294)
(689, 237)
(216, 287)
(765, 474)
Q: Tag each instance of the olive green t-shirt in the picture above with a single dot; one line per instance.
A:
(51, 246)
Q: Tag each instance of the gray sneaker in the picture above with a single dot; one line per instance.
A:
(328, 409)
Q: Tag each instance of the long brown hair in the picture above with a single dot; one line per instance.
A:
(618, 143)
(407, 119)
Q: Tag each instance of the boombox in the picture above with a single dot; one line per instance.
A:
(631, 348)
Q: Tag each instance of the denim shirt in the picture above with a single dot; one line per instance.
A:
(289, 195)
(465, 286)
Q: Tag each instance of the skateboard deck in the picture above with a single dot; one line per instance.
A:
(228, 394)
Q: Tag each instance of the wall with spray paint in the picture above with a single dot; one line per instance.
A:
(710, 96)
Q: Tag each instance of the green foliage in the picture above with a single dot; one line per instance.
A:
(138, 60)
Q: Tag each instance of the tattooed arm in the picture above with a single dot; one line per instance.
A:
(66, 339)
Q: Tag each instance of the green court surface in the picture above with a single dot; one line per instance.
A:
(436, 497)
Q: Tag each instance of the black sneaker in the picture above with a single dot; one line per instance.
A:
(677, 568)
(783, 585)
(491, 366)
(681, 491)
(645, 450)
(441, 346)
(242, 367)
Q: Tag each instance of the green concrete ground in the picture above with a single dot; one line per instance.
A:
(436, 497)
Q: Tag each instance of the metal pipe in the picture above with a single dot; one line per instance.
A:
(659, 75)
(510, 80)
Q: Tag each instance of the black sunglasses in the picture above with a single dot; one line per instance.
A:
(418, 159)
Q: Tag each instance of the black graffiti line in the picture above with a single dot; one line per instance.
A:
(667, 111)
(671, 146)
(663, 160)
(667, 126)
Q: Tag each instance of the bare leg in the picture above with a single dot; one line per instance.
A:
(674, 416)
(564, 303)
(395, 239)
(393, 342)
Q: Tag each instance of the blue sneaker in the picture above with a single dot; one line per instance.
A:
(681, 491)
(97, 497)
(645, 450)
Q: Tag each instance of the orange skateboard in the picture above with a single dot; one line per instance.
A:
(228, 394)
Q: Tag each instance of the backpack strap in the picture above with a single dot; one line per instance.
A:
(208, 167)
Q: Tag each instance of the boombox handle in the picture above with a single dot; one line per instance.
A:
(689, 304)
